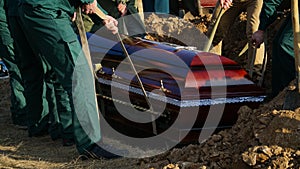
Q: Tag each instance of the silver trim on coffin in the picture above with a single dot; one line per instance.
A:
(184, 103)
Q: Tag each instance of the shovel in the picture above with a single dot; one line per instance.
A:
(252, 62)
(218, 12)
(264, 66)
(292, 100)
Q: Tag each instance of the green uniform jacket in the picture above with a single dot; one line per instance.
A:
(5, 37)
(65, 5)
(12, 8)
(283, 62)
(269, 13)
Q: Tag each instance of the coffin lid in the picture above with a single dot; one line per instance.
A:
(192, 69)
(208, 3)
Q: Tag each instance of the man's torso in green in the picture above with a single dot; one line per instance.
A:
(5, 37)
(64, 5)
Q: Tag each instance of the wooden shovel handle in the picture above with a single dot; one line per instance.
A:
(100, 14)
(218, 12)
(296, 30)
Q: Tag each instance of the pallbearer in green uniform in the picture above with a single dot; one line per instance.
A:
(41, 88)
(283, 61)
(8, 55)
(48, 30)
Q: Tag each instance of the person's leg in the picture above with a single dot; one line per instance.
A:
(226, 21)
(190, 5)
(18, 102)
(161, 6)
(64, 113)
(148, 6)
(54, 121)
(253, 11)
(174, 7)
(283, 62)
(32, 73)
(51, 29)
(59, 107)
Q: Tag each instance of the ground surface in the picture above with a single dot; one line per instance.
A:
(267, 137)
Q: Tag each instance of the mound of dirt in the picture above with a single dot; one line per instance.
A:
(262, 138)
(267, 137)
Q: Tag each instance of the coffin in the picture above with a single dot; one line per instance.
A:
(189, 90)
(208, 3)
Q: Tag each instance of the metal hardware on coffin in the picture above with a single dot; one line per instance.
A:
(114, 74)
(162, 88)
(98, 68)
(134, 106)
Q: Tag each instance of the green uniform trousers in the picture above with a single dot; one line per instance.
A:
(10, 59)
(45, 97)
(55, 41)
(32, 72)
(18, 102)
(59, 106)
(54, 98)
(283, 61)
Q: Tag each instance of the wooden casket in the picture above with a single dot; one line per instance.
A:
(208, 3)
(189, 91)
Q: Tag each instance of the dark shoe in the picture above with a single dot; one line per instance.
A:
(55, 131)
(68, 142)
(21, 127)
(37, 134)
(19, 123)
(38, 131)
(106, 152)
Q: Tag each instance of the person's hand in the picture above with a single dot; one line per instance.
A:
(122, 9)
(89, 8)
(225, 4)
(258, 38)
(111, 24)
(73, 18)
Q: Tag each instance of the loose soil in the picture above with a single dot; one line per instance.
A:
(267, 137)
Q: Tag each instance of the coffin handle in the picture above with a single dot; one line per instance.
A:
(98, 68)
(114, 74)
(162, 88)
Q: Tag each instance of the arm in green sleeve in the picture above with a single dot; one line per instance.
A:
(268, 13)
(86, 1)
